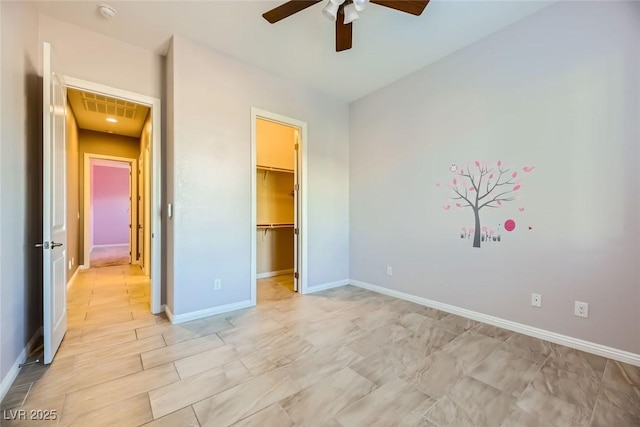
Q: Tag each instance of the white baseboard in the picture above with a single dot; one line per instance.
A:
(325, 286)
(578, 344)
(274, 273)
(194, 315)
(83, 267)
(73, 278)
(11, 376)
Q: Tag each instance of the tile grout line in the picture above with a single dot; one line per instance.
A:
(593, 410)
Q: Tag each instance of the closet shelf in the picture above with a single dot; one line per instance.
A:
(272, 169)
(276, 225)
(267, 227)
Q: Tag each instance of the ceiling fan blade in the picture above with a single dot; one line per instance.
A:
(344, 35)
(287, 9)
(414, 7)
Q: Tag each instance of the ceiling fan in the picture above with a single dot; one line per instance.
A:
(343, 12)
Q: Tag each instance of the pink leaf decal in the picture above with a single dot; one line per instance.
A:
(490, 176)
(464, 228)
(491, 232)
(477, 163)
(499, 163)
(446, 208)
(472, 189)
(499, 202)
(438, 185)
(516, 188)
(470, 230)
(528, 168)
(484, 229)
(515, 174)
(455, 181)
(458, 205)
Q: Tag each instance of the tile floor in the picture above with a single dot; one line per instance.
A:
(343, 357)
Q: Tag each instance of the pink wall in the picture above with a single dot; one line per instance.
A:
(110, 205)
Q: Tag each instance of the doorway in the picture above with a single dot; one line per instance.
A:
(109, 211)
(141, 159)
(278, 242)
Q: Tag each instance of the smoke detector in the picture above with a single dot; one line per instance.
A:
(106, 11)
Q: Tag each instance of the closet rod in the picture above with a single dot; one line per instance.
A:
(274, 169)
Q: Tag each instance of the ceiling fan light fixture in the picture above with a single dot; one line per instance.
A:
(350, 13)
(331, 10)
(360, 4)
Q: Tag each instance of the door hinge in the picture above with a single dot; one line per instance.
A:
(296, 231)
(296, 187)
(297, 146)
(295, 275)
(129, 253)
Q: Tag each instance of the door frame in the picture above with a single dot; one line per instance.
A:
(133, 207)
(156, 174)
(256, 114)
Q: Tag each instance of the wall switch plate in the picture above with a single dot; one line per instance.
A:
(389, 271)
(69, 264)
(581, 309)
(217, 284)
(536, 300)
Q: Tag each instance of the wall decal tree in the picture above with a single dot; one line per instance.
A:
(482, 187)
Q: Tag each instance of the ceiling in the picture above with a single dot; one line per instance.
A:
(92, 111)
(387, 44)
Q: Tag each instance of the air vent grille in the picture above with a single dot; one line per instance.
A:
(109, 106)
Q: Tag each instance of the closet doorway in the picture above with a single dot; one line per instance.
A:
(278, 204)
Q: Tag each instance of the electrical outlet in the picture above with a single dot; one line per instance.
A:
(217, 284)
(536, 300)
(389, 271)
(581, 309)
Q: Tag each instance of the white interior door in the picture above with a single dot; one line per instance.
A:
(296, 210)
(146, 221)
(140, 226)
(54, 208)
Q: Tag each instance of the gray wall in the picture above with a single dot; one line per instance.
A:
(97, 58)
(20, 182)
(558, 90)
(212, 100)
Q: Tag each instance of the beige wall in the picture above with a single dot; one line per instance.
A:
(275, 145)
(274, 250)
(105, 144)
(20, 183)
(274, 204)
(73, 206)
(144, 193)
